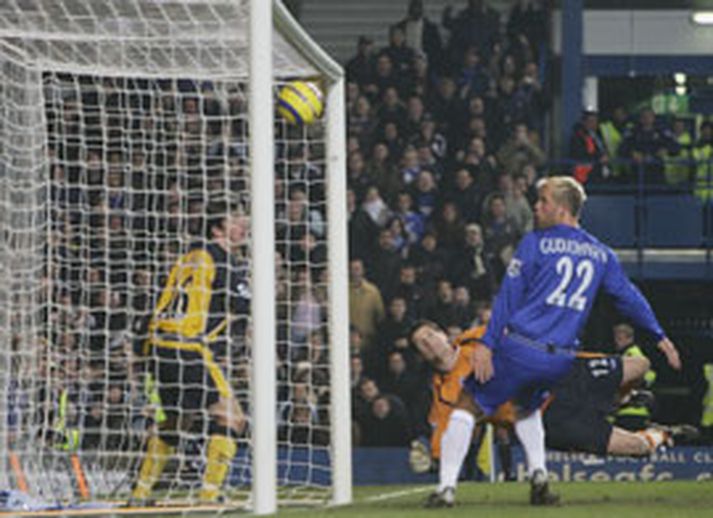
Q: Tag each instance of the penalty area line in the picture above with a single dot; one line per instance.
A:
(397, 494)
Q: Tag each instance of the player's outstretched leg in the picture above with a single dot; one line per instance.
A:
(540, 493)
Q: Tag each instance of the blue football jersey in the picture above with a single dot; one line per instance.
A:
(550, 286)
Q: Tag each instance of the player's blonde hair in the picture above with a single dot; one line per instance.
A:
(566, 191)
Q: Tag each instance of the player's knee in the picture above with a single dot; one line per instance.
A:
(467, 404)
(227, 413)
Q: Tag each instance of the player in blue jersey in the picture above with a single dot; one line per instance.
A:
(543, 303)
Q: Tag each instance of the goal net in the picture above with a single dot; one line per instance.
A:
(122, 123)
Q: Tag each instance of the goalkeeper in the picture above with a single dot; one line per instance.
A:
(205, 298)
(574, 417)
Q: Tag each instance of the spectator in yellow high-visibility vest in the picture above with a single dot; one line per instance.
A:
(678, 167)
(612, 131)
(707, 413)
(703, 155)
(634, 415)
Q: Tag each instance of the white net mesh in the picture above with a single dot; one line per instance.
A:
(121, 124)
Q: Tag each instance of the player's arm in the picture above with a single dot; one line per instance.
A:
(632, 304)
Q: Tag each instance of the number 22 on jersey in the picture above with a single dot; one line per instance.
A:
(572, 276)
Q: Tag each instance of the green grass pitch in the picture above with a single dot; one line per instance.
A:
(600, 499)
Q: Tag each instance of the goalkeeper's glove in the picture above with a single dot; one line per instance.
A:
(419, 457)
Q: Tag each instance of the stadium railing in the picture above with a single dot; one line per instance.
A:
(650, 222)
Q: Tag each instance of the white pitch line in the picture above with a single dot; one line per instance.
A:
(397, 494)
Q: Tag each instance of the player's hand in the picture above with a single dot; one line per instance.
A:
(666, 346)
(482, 362)
(419, 458)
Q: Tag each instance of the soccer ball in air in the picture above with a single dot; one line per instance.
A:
(300, 102)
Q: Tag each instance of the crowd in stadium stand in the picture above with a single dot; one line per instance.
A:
(135, 163)
(444, 147)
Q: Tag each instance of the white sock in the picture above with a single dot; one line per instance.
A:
(532, 437)
(454, 446)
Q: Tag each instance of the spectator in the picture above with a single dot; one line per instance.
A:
(392, 109)
(466, 195)
(375, 206)
(634, 414)
(400, 53)
(449, 226)
(360, 68)
(387, 424)
(425, 194)
(528, 18)
(475, 26)
(471, 266)
(678, 169)
(386, 77)
(414, 116)
(587, 148)
(399, 237)
(428, 161)
(357, 177)
(473, 78)
(307, 310)
(443, 310)
(356, 372)
(421, 34)
(413, 222)
(393, 139)
(381, 171)
(366, 394)
(300, 213)
(366, 306)
(393, 331)
(703, 155)
(406, 384)
(412, 291)
(707, 404)
(528, 100)
(517, 207)
(500, 233)
(447, 107)
(428, 135)
(520, 150)
(431, 260)
(424, 79)
(362, 228)
(410, 166)
(613, 131)
(361, 122)
(385, 264)
(483, 165)
(646, 146)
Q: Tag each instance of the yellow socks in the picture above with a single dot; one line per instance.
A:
(220, 453)
(155, 459)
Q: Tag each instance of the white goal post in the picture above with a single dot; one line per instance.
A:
(121, 121)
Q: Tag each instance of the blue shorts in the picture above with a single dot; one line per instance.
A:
(522, 373)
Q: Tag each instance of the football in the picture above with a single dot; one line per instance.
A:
(300, 102)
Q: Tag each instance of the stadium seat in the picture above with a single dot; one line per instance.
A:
(672, 221)
(612, 218)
